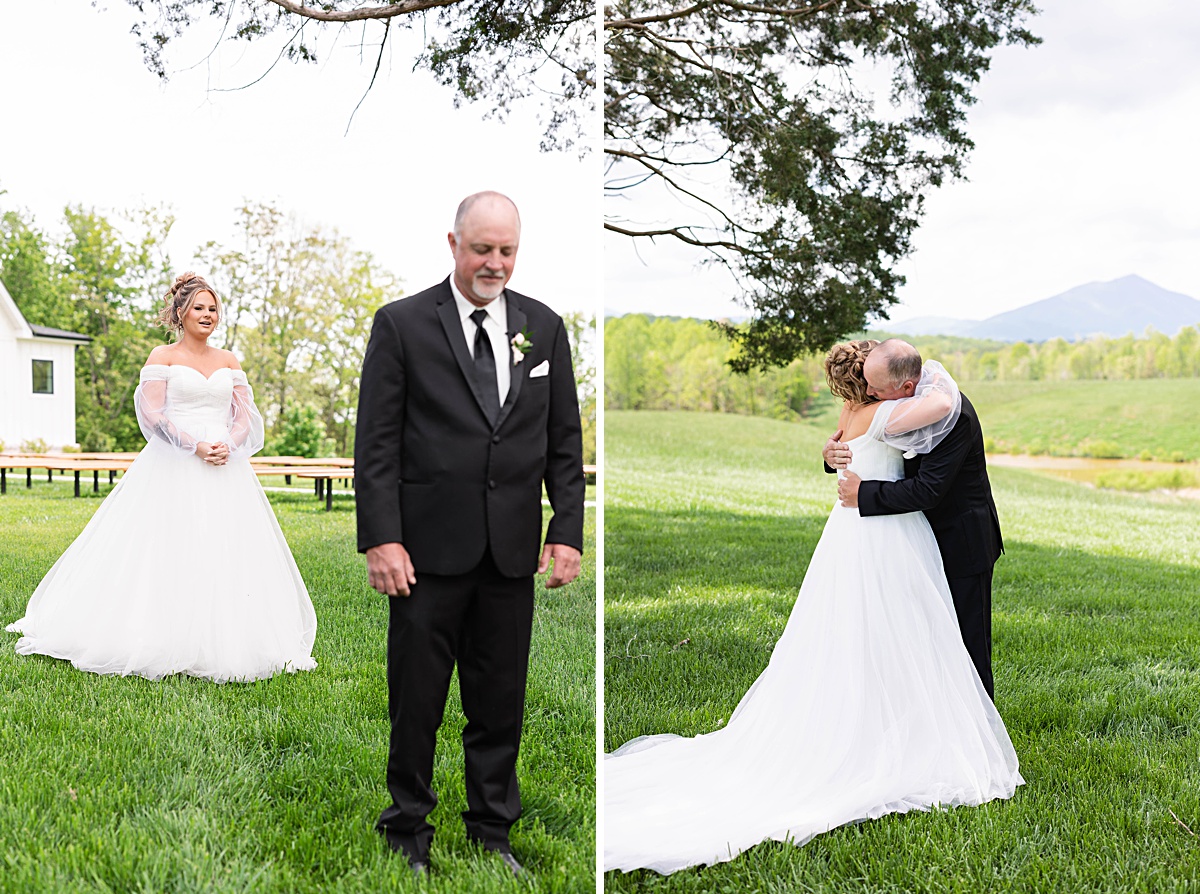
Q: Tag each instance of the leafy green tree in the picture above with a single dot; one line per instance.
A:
(698, 375)
(810, 183)
(682, 364)
(1117, 360)
(98, 281)
(299, 301)
(29, 268)
(488, 51)
(349, 286)
(1158, 353)
(581, 331)
(300, 434)
(107, 276)
(1053, 356)
(1185, 353)
(628, 364)
(1016, 362)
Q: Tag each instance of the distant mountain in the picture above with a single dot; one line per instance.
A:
(1115, 308)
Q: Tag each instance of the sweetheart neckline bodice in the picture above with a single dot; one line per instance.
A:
(192, 368)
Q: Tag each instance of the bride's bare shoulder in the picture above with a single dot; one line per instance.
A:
(856, 419)
(160, 356)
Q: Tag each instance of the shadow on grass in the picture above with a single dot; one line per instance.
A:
(694, 602)
(649, 554)
(1095, 646)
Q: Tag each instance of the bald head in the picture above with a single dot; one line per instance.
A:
(487, 230)
(489, 203)
(892, 370)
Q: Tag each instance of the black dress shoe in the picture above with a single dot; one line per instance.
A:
(419, 865)
(511, 862)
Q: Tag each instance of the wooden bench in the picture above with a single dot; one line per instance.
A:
(323, 480)
(64, 463)
(302, 471)
(322, 470)
(300, 461)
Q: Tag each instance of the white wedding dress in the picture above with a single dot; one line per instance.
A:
(870, 705)
(183, 568)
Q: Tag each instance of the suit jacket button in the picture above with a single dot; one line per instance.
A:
(491, 484)
(495, 439)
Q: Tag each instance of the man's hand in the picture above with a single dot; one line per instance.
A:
(848, 490)
(837, 455)
(390, 570)
(566, 564)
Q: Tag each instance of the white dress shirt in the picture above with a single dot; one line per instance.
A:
(495, 326)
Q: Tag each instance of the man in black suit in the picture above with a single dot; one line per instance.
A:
(467, 406)
(950, 485)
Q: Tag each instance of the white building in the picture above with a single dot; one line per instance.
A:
(37, 380)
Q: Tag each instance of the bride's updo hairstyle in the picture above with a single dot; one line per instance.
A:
(178, 301)
(844, 370)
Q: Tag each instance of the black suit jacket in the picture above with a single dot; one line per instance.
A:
(433, 473)
(950, 485)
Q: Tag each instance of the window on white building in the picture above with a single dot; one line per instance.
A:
(43, 377)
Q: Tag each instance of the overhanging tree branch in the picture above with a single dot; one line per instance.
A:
(403, 7)
(774, 12)
(825, 177)
(679, 233)
(374, 74)
(487, 51)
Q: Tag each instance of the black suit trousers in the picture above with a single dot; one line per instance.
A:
(482, 621)
(973, 604)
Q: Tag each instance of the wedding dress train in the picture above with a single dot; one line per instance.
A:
(183, 568)
(870, 705)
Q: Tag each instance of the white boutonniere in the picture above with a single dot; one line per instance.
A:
(521, 344)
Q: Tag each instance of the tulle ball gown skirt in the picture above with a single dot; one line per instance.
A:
(182, 569)
(870, 705)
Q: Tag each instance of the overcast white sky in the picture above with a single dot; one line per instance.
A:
(82, 121)
(1085, 169)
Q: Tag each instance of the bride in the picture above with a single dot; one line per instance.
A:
(183, 569)
(870, 703)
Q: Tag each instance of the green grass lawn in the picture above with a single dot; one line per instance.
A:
(1147, 419)
(710, 521)
(125, 785)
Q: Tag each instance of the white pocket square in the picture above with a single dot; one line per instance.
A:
(542, 369)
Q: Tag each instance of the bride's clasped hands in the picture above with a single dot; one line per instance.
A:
(214, 454)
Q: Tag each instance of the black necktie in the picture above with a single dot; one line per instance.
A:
(485, 367)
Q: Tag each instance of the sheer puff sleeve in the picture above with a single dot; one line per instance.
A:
(246, 430)
(918, 424)
(152, 405)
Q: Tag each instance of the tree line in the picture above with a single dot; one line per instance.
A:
(1152, 355)
(298, 304)
(669, 363)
